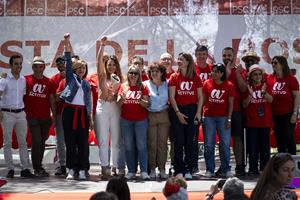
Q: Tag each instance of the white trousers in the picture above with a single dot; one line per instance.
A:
(107, 127)
(18, 122)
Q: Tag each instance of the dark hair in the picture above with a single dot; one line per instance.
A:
(283, 62)
(118, 70)
(138, 57)
(11, 59)
(60, 59)
(119, 187)
(228, 48)
(190, 72)
(268, 178)
(75, 56)
(103, 196)
(220, 68)
(201, 48)
(161, 68)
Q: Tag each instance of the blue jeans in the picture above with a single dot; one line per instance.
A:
(211, 124)
(134, 134)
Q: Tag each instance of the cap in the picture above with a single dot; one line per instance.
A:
(37, 60)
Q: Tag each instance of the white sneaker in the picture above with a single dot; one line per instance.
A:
(130, 176)
(82, 175)
(71, 174)
(163, 175)
(229, 174)
(179, 175)
(188, 176)
(208, 174)
(152, 174)
(145, 176)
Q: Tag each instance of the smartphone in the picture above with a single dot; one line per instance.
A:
(221, 183)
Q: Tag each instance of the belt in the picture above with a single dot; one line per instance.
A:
(12, 110)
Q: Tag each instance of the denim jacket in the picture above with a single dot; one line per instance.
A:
(71, 86)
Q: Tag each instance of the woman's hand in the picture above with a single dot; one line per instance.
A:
(198, 119)
(293, 118)
(66, 42)
(181, 117)
(250, 90)
(91, 123)
(103, 40)
(228, 123)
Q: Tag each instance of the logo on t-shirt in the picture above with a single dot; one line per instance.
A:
(216, 96)
(133, 97)
(204, 76)
(257, 97)
(185, 88)
(278, 88)
(37, 91)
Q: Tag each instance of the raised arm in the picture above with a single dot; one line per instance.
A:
(68, 49)
(100, 63)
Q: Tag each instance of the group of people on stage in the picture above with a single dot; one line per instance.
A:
(135, 115)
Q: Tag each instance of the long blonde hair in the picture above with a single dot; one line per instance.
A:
(190, 71)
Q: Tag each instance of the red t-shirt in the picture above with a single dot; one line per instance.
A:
(93, 80)
(169, 74)
(237, 98)
(37, 103)
(144, 76)
(56, 79)
(203, 73)
(283, 100)
(217, 96)
(185, 88)
(60, 88)
(258, 112)
(131, 108)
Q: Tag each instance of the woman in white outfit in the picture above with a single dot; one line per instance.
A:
(108, 113)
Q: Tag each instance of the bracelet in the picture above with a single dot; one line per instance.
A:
(177, 111)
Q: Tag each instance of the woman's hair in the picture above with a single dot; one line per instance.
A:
(118, 68)
(283, 62)
(103, 196)
(79, 63)
(132, 68)
(119, 187)
(175, 188)
(268, 178)
(190, 71)
(220, 68)
(232, 188)
(160, 67)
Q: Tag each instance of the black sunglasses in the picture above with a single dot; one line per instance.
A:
(274, 62)
(133, 73)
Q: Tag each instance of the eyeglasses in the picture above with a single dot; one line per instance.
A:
(166, 59)
(133, 73)
(274, 62)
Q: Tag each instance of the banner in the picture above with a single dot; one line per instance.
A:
(148, 28)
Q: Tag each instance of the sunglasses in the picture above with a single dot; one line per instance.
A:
(133, 73)
(274, 62)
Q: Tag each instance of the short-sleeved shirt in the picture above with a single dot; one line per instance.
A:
(258, 112)
(237, 98)
(56, 79)
(93, 80)
(185, 88)
(158, 96)
(282, 88)
(13, 92)
(217, 98)
(204, 73)
(131, 108)
(37, 98)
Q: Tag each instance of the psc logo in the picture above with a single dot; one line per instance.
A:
(186, 85)
(38, 88)
(278, 86)
(217, 94)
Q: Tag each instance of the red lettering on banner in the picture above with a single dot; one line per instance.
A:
(97, 8)
(35, 8)
(59, 52)
(37, 46)
(295, 6)
(140, 8)
(158, 8)
(265, 48)
(56, 8)
(8, 53)
(240, 7)
(296, 47)
(281, 7)
(224, 7)
(179, 7)
(1, 8)
(132, 51)
(116, 46)
(117, 7)
(76, 8)
(15, 8)
(235, 46)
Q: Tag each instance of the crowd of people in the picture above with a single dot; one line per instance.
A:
(135, 115)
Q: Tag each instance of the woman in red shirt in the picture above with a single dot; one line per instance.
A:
(285, 92)
(257, 103)
(133, 98)
(218, 95)
(185, 93)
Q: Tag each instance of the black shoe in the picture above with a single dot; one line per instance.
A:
(87, 174)
(253, 174)
(10, 174)
(218, 173)
(61, 171)
(171, 171)
(240, 171)
(41, 172)
(27, 174)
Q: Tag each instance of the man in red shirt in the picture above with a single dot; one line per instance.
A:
(138, 61)
(237, 76)
(38, 100)
(203, 69)
(60, 139)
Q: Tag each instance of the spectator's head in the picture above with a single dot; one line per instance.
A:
(175, 189)
(255, 74)
(228, 55)
(156, 70)
(166, 60)
(103, 196)
(277, 174)
(138, 61)
(233, 189)
(185, 62)
(60, 63)
(119, 187)
(134, 76)
(15, 63)
(250, 58)
(218, 72)
(80, 68)
(38, 66)
(112, 66)
(280, 65)
(201, 53)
